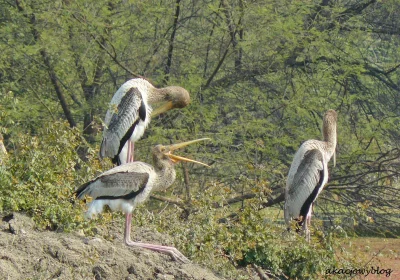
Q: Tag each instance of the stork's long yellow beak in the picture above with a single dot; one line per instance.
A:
(176, 158)
(163, 108)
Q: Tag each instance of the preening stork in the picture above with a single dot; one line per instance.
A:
(124, 187)
(130, 113)
(308, 174)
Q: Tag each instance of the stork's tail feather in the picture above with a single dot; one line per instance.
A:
(81, 191)
(109, 146)
(299, 223)
(116, 160)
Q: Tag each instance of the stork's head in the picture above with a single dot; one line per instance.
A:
(178, 96)
(330, 116)
(164, 154)
(172, 97)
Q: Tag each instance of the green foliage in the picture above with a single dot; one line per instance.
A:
(41, 174)
(261, 74)
(251, 237)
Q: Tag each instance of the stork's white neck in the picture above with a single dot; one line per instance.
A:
(165, 170)
(165, 177)
(329, 134)
(156, 94)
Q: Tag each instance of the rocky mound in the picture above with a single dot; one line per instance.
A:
(26, 253)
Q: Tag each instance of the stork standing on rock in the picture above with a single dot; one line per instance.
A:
(308, 174)
(125, 186)
(129, 115)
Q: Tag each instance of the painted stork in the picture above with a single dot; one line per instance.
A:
(129, 115)
(124, 187)
(3, 149)
(308, 174)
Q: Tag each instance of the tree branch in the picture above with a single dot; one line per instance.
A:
(169, 200)
(274, 201)
(239, 198)
(113, 55)
(50, 69)
(171, 42)
(214, 73)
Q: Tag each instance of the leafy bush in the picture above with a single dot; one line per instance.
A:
(42, 172)
(228, 245)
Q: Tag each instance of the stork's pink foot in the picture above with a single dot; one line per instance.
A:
(172, 251)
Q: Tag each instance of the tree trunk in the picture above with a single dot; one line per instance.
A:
(50, 69)
(171, 42)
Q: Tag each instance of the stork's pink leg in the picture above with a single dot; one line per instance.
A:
(132, 144)
(307, 222)
(130, 151)
(172, 251)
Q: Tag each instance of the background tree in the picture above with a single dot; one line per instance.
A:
(261, 75)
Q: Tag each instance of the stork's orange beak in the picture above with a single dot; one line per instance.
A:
(176, 158)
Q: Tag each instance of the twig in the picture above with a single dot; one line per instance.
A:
(274, 201)
(169, 200)
(234, 200)
(373, 257)
(260, 272)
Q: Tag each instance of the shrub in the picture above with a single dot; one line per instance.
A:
(43, 171)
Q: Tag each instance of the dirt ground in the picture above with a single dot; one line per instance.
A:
(26, 253)
(380, 254)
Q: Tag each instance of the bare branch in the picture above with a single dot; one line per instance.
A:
(171, 41)
(47, 63)
(169, 200)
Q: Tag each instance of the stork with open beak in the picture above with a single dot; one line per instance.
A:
(308, 174)
(124, 187)
(130, 113)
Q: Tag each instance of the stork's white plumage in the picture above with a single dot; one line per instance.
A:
(130, 112)
(308, 174)
(3, 150)
(123, 187)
